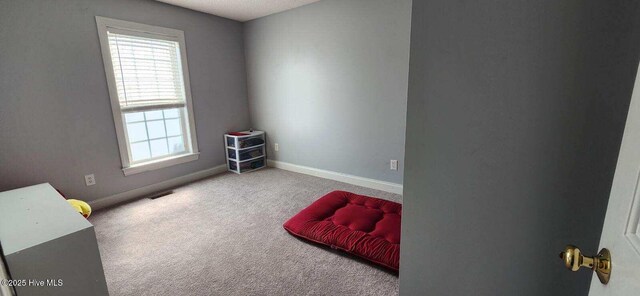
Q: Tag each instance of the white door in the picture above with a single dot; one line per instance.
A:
(621, 232)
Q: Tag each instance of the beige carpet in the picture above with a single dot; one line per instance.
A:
(224, 236)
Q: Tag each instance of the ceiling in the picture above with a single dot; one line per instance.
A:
(240, 10)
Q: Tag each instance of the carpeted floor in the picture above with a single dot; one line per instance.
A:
(224, 236)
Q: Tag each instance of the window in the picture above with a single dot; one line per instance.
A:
(147, 75)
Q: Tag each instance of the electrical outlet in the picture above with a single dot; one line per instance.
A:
(276, 147)
(90, 180)
(394, 165)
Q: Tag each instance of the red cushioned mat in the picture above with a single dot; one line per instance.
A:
(365, 226)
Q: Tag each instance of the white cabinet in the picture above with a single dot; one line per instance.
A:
(49, 248)
(245, 151)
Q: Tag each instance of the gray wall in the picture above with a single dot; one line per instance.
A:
(515, 116)
(328, 83)
(56, 123)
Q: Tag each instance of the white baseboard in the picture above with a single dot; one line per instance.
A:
(346, 178)
(153, 188)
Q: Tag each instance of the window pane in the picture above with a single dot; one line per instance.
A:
(151, 115)
(136, 116)
(173, 127)
(176, 145)
(137, 132)
(140, 151)
(156, 135)
(156, 129)
(159, 147)
(171, 113)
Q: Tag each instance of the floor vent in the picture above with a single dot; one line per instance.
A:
(160, 194)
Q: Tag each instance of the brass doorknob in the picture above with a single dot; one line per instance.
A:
(601, 263)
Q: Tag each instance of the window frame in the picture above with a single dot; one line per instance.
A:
(190, 139)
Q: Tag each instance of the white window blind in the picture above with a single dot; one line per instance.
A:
(147, 71)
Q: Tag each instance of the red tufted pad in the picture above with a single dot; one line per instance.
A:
(365, 226)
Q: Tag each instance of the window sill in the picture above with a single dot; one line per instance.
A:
(158, 164)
